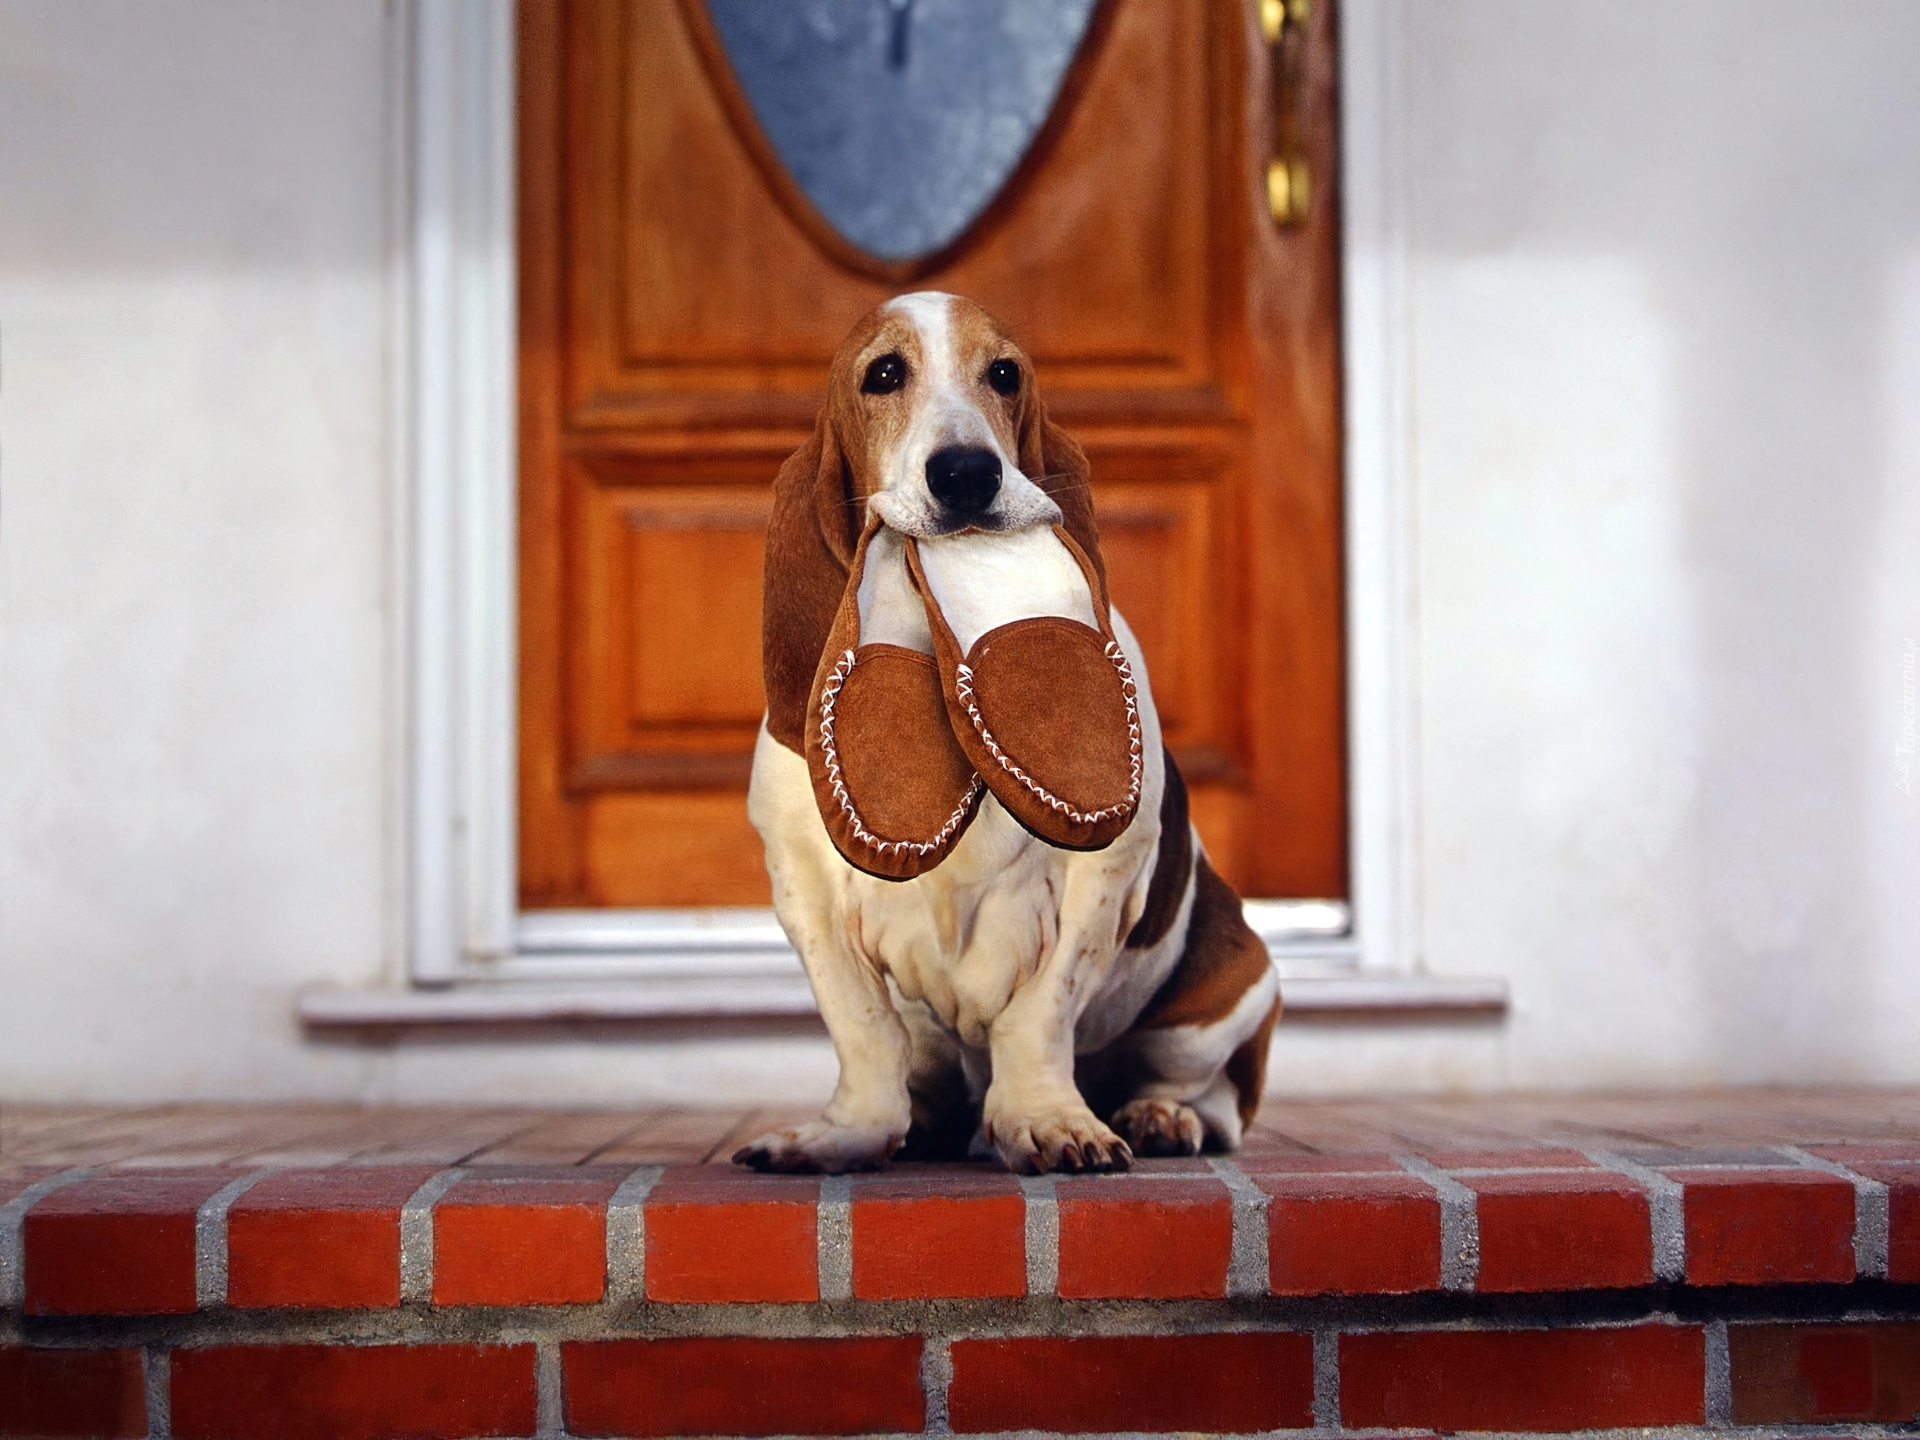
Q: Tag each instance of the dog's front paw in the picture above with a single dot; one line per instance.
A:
(820, 1146)
(1062, 1139)
(1160, 1127)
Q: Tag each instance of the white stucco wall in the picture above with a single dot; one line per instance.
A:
(1666, 320)
(1665, 305)
(192, 499)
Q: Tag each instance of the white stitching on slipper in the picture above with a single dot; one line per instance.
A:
(963, 686)
(829, 695)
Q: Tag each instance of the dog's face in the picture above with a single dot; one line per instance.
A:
(928, 398)
(934, 426)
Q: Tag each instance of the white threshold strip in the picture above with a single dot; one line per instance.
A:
(615, 966)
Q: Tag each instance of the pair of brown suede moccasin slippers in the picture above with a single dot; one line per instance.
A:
(901, 745)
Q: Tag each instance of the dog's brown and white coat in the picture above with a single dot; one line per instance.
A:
(1032, 999)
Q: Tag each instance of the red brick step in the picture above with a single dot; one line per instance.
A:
(1575, 1290)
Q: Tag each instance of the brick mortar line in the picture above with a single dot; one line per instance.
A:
(1476, 1172)
(1249, 1271)
(937, 1321)
(1719, 1365)
(210, 1240)
(627, 1235)
(416, 1236)
(1120, 1179)
(1326, 1378)
(1042, 1234)
(1666, 1212)
(833, 1237)
(549, 1390)
(1459, 1223)
(13, 1219)
(156, 1384)
(1872, 1219)
(936, 1383)
(955, 1320)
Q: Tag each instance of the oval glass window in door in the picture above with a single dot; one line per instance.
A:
(901, 119)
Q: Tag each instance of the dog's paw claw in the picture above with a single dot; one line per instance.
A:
(1161, 1127)
(767, 1157)
(821, 1147)
(1068, 1140)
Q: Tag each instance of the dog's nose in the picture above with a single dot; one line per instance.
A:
(964, 478)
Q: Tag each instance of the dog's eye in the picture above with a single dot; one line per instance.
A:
(885, 375)
(1004, 377)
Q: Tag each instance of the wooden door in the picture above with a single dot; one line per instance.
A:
(680, 301)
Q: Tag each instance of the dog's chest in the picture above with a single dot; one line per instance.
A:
(963, 937)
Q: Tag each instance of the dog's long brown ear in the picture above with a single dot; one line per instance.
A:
(1054, 461)
(810, 544)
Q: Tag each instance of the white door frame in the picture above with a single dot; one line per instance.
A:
(454, 427)
(455, 462)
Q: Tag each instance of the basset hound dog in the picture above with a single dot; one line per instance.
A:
(1065, 1005)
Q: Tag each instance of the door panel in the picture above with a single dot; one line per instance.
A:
(667, 847)
(1159, 540)
(680, 303)
(667, 577)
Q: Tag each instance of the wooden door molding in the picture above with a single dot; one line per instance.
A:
(645, 373)
(680, 301)
(807, 217)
